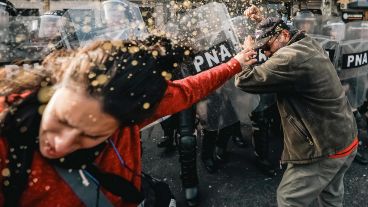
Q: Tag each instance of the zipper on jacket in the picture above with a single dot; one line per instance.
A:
(280, 165)
(294, 123)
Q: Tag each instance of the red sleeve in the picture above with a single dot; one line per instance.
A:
(182, 94)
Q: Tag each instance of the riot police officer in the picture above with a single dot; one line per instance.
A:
(123, 20)
(305, 20)
(7, 12)
(50, 35)
(169, 126)
(266, 125)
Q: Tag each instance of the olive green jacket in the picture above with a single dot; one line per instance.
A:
(316, 116)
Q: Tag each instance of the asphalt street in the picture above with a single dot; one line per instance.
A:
(239, 182)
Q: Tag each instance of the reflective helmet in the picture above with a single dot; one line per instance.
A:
(117, 12)
(335, 28)
(305, 20)
(50, 24)
(8, 7)
(6, 10)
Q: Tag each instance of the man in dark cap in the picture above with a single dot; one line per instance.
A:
(320, 132)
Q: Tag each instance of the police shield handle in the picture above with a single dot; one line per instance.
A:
(254, 13)
(246, 58)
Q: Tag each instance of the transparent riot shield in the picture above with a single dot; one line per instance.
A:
(308, 22)
(208, 30)
(243, 27)
(14, 45)
(353, 62)
(329, 34)
(46, 36)
(112, 19)
(245, 103)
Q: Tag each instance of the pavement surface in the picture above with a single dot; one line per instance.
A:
(239, 182)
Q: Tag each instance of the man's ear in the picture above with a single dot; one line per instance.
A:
(286, 34)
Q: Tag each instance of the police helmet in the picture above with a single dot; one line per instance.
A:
(7, 6)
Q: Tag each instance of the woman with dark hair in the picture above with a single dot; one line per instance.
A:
(86, 139)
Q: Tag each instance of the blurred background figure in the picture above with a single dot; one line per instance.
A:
(50, 33)
(169, 126)
(266, 125)
(51, 23)
(116, 12)
(123, 20)
(7, 12)
(305, 20)
(334, 28)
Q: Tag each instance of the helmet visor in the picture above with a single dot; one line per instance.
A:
(4, 16)
(116, 13)
(49, 26)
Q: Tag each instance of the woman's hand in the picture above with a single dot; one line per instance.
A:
(254, 13)
(246, 57)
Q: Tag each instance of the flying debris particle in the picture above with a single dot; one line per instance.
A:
(6, 183)
(166, 75)
(102, 79)
(41, 109)
(154, 53)
(97, 153)
(5, 172)
(117, 43)
(44, 83)
(47, 188)
(150, 21)
(187, 52)
(112, 88)
(121, 8)
(107, 46)
(187, 4)
(62, 159)
(146, 105)
(131, 94)
(94, 83)
(175, 65)
(91, 75)
(134, 62)
(45, 94)
(133, 49)
(50, 45)
(19, 164)
(35, 180)
(23, 129)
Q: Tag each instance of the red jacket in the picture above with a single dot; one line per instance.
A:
(46, 188)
